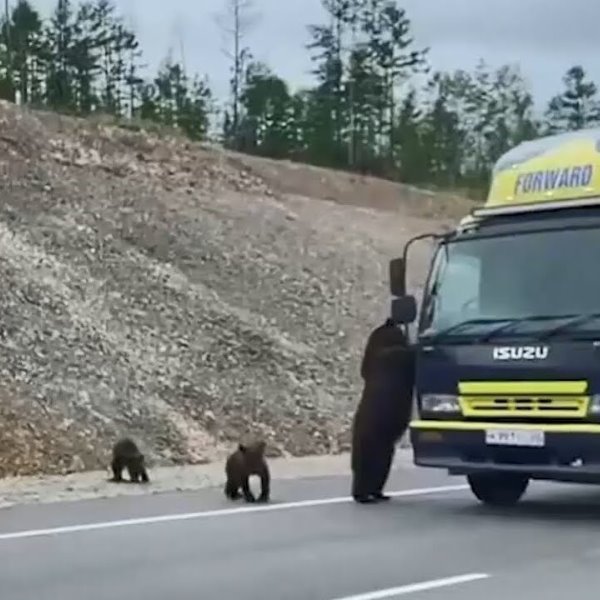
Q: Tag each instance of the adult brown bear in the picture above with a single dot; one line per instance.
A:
(384, 410)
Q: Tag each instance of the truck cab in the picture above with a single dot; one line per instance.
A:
(508, 331)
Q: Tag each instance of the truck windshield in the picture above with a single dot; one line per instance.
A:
(485, 282)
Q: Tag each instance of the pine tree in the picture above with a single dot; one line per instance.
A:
(408, 132)
(445, 142)
(60, 34)
(388, 28)
(367, 89)
(25, 34)
(577, 107)
(325, 116)
(267, 113)
(235, 22)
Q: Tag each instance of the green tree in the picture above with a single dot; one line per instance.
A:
(147, 108)
(174, 100)
(577, 107)
(409, 136)
(83, 59)
(267, 121)
(364, 95)
(443, 133)
(113, 45)
(325, 117)
(343, 15)
(60, 34)
(388, 30)
(471, 119)
(195, 109)
(235, 22)
(511, 113)
(25, 35)
(170, 85)
(362, 58)
(89, 58)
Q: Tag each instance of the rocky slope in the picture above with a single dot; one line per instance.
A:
(182, 294)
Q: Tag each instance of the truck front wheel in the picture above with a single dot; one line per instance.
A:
(498, 489)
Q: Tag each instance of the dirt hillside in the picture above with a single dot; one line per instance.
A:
(182, 294)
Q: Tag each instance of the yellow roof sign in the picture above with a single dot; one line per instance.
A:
(549, 169)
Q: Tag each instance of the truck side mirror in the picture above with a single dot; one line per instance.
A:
(397, 274)
(404, 310)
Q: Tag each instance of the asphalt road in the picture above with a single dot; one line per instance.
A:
(432, 541)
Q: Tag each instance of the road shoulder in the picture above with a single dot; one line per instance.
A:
(94, 484)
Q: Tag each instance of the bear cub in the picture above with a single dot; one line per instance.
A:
(247, 460)
(126, 455)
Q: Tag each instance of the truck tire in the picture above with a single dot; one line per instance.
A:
(498, 489)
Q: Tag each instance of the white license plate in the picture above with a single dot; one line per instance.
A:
(515, 437)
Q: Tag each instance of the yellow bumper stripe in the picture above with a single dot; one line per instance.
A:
(522, 388)
(481, 426)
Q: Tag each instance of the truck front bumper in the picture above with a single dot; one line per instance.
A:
(570, 453)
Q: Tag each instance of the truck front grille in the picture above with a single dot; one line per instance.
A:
(524, 399)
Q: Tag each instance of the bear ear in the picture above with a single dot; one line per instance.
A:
(242, 447)
(261, 447)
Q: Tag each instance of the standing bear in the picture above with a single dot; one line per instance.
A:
(384, 410)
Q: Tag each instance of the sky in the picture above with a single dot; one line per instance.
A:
(545, 37)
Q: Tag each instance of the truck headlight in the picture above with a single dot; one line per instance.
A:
(594, 408)
(440, 403)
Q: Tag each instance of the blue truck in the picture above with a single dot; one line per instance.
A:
(508, 327)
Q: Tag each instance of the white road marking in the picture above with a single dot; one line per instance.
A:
(216, 513)
(417, 587)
